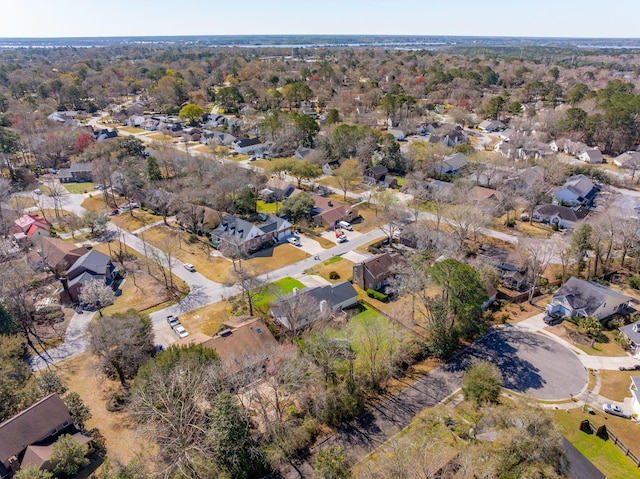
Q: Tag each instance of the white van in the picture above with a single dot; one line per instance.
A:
(345, 225)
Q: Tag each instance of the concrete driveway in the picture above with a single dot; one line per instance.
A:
(531, 364)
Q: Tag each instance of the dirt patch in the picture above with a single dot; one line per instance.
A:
(81, 375)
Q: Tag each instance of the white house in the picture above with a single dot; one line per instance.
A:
(577, 190)
(246, 146)
(591, 155)
(563, 216)
(628, 159)
(632, 333)
(579, 297)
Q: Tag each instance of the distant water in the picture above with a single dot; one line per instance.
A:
(320, 41)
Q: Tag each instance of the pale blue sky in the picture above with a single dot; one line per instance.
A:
(540, 18)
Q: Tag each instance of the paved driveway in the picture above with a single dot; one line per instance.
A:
(531, 364)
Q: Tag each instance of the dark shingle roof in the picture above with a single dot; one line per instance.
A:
(31, 425)
(586, 295)
(94, 261)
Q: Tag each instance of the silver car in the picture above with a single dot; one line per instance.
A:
(615, 410)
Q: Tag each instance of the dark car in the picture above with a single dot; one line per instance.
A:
(552, 320)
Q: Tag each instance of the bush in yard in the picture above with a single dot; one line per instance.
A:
(333, 463)
(634, 282)
(482, 383)
(372, 293)
(334, 275)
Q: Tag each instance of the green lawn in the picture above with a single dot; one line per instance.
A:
(78, 188)
(604, 454)
(274, 290)
(335, 259)
(267, 208)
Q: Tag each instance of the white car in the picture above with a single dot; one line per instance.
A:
(189, 267)
(180, 331)
(294, 241)
(342, 238)
(615, 410)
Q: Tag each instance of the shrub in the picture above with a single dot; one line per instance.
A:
(192, 238)
(334, 275)
(372, 293)
(621, 339)
(634, 282)
(482, 383)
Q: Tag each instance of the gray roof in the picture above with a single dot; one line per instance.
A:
(274, 223)
(94, 261)
(244, 142)
(231, 225)
(80, 166)
(634, 336)
(333, 294)
(581, 467)
(586, 295)
(564, 212)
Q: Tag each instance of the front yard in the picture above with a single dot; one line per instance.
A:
(78, 188)
(343, 267)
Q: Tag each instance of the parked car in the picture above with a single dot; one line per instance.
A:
(114, 212)
(172, 320)
(615, 410)
(552, 320)
(294, 241)
(346, 225)
(189, 267)
(635, 367)
(342, 238)
(180, 331)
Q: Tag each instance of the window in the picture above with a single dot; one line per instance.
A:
(54, 431)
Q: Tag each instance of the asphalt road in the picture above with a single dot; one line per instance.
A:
(530, 363)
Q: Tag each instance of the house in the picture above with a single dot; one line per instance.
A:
(276, 190)
(570, 147)
(634, 387)
(237, 233)
(67, 118)
(332, 165)
(201, 218)
(59, 255)
(563, 216)
(330, 299)
(327, 212)
(577, 190)
(526, 178)
(27, 438)
(76, 173)
(579, 297)
(492, 292)
(480, 194)
(246, 146)
(440, 188)
(591, 155)
(276, 228)
(378, 175)
(303, 152)
(632, 333)
(243, 345)
(628, 159)
(490, 126)
(91, 266)
(449, 135)
(373, 273)
(217, 138)
(29, 227)
(451, 164)
(104, 134)
(424, 130)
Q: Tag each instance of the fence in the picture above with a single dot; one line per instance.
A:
(606, 433)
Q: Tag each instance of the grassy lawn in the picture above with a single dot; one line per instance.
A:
(615, 384)
(135, 220)
(96, 203)
(207, 319)
(604, 454)
(131, 129)
(161, 137)
(356, 186)
(145, 292)
(268, 208)
(78, 188)
(272, 259)
(370, 220)
(214, 268)
(274, 291)
(566, 330)
(342, 266)
(19, 202)
(264, 164)
(123, 439)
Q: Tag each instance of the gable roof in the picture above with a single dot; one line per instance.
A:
(238, 347)
(275, 223)
(94, 262)
(563, 212)
(377, 170)
(58, 253)
(452, 163)
(581, 184)
(586, 296)
(245, 142)
(480, 193)
(628, 158)
(31, 425)
(27, 221)
(237, 227)
(630, 332)
(333, 294)
(381, 264)
(593, 154)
